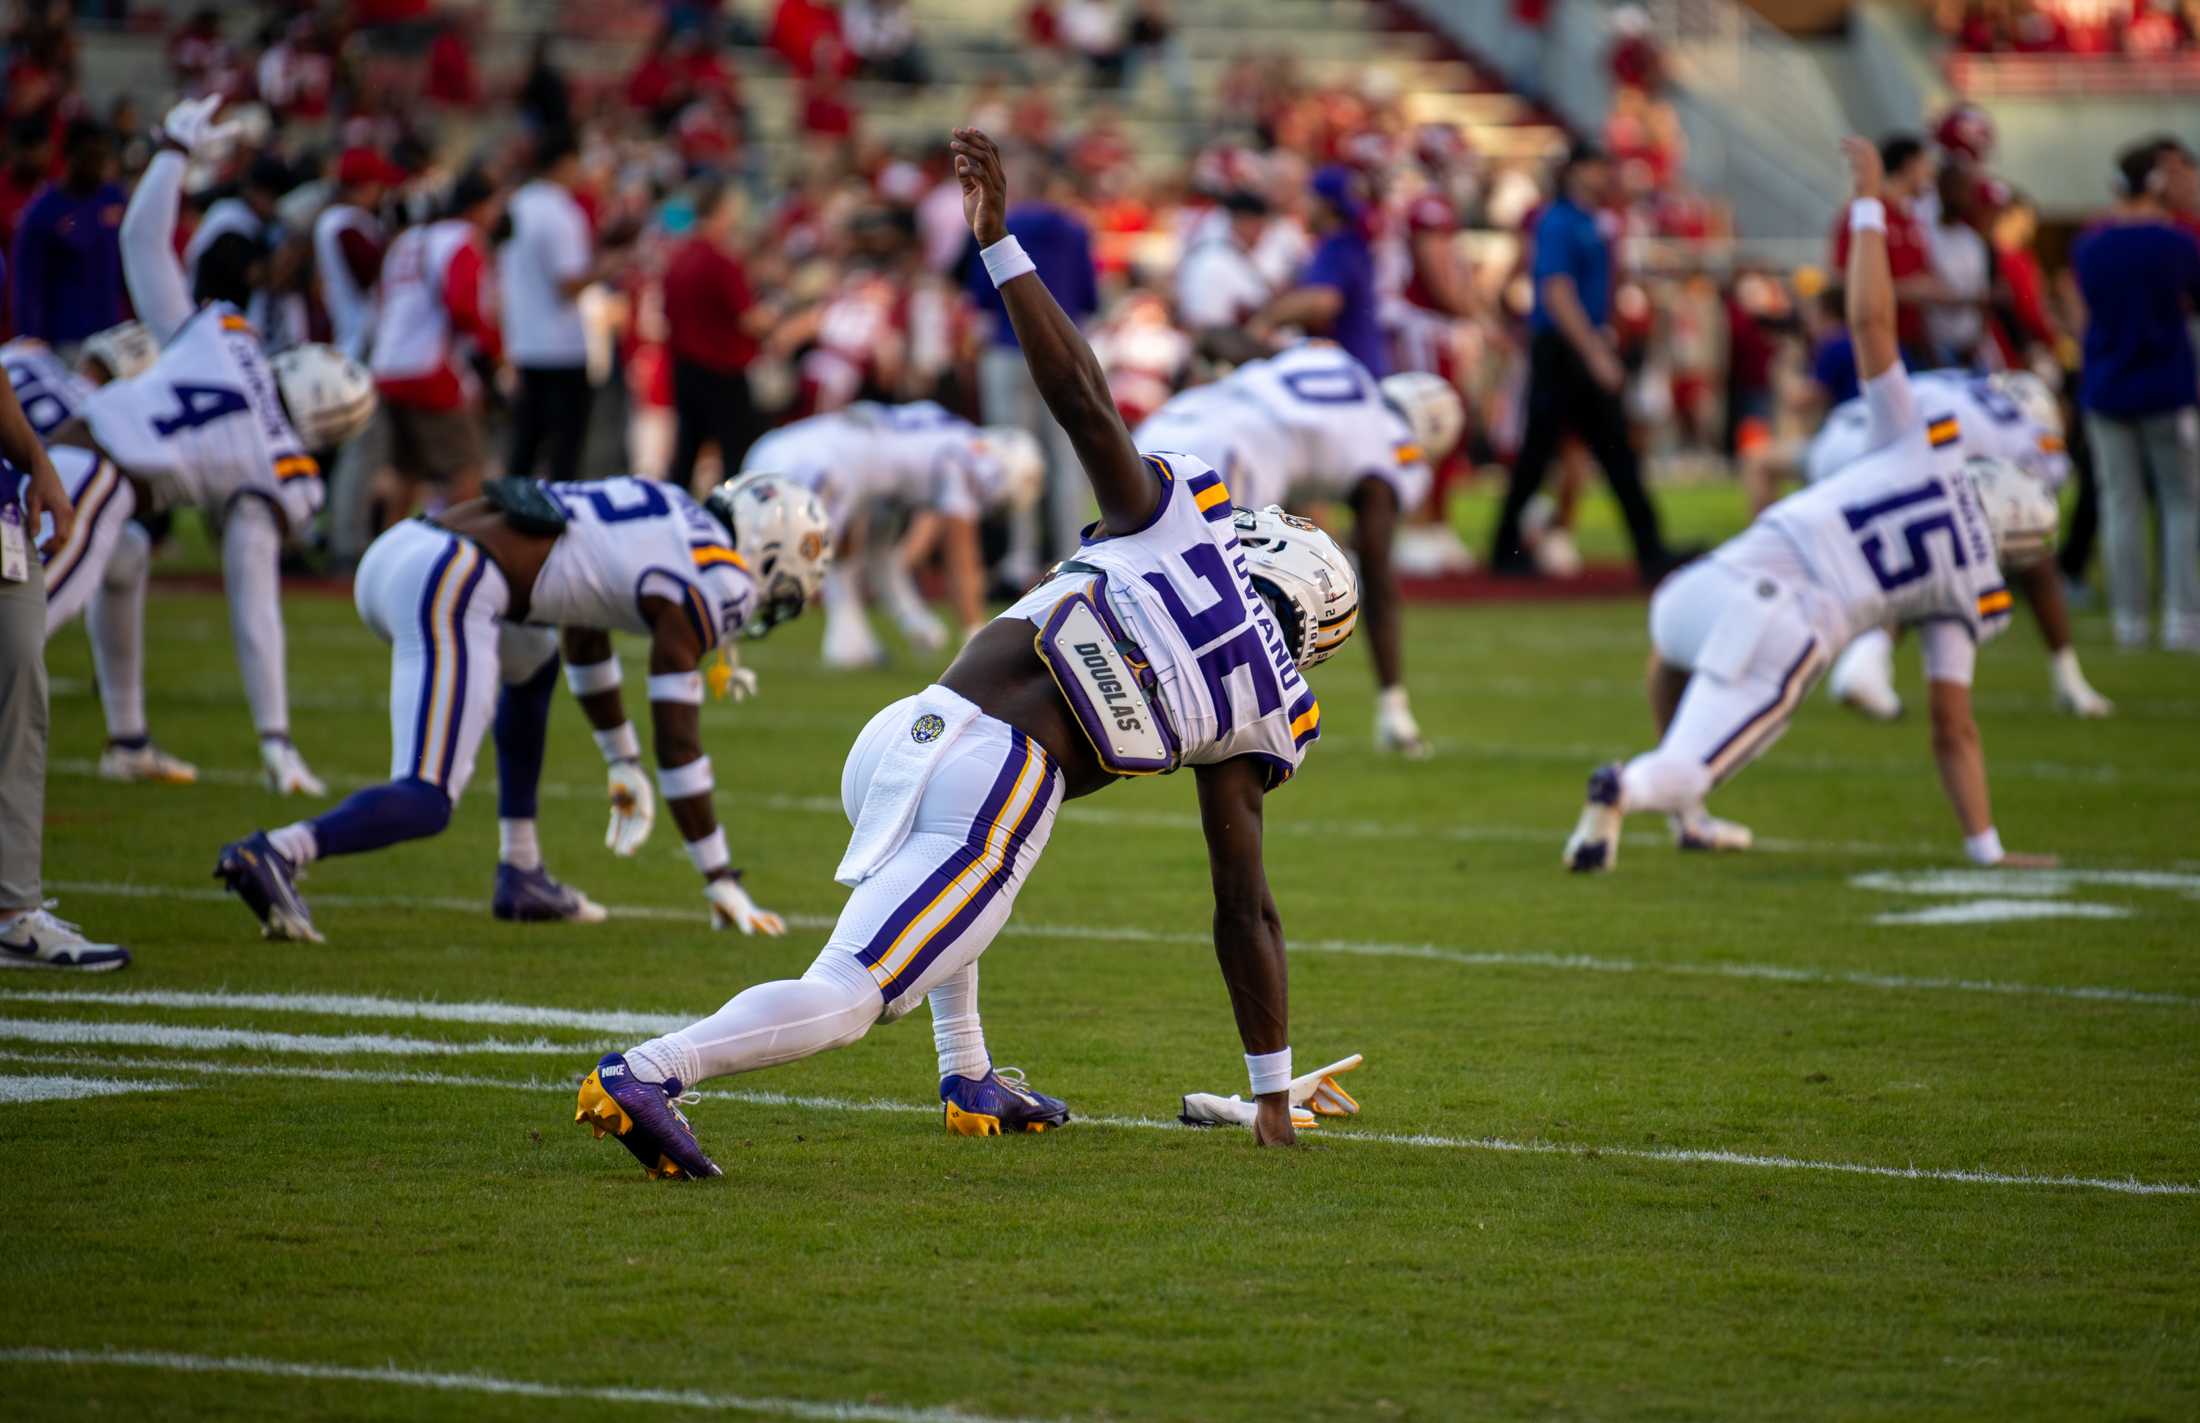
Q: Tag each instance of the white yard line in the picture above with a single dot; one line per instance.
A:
(1424, 1141)
(74, 1032)
(2000, 911)
(50, 1088)
(361, 1005)
(1432, 953)
(491, 1384)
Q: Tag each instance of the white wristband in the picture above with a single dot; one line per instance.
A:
(710, 854)
(1269, 1071)
(1005, 261)
(1984, 848)
(1867, 215)
(587, 677)
(685, 688)
(620, 743)
(680, 782)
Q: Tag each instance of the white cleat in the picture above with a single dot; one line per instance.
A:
(145, 763)
(1863, 677)
(924, 630)
(1709, 833)
(284, 771)
(849, 642)
(1397, 731)
(1594, 846)
(1557, 555)
(2075, 695)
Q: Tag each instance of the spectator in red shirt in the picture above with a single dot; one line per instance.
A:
(800, 29)
(712, 325)
(1909, 167)
(825, 113)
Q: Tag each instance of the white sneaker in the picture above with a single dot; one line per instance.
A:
(1396, 730)
(284, 771)
(39, 940)
(2075, 695)
(1707, 832)
(1863, 678)
(1426, 550)
(145, 763)
(849, 642)
(1557, 555)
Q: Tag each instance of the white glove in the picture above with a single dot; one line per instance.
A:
(633, 808)
(285, 771)
(1205, 1109)
(1395, 728)
(1319, 1093)
(190, 126)
(730, 904)
(726, 677)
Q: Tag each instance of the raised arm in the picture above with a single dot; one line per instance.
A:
(1870, 299)
(1249, 936)
(1062, 364)
(150, 266)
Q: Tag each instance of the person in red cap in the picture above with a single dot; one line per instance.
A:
(348, 241)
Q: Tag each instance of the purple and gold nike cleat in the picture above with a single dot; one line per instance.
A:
(645, 1117)
(532, 897)
(998, 1102)
(265, 879)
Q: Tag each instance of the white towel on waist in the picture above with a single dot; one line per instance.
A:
(897, 784)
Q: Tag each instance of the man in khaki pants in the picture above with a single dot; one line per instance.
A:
(30, 935)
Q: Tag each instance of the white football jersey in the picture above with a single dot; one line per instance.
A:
(1182, 591)
(627, 539)
(918, 456)
(50, 393)
(206, 422)
(1309, 421)
(1897, 536)
(1991, 424)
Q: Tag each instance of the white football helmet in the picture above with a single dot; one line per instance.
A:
(2030, 394)
(1306, 579)
(121, 351)
(1017, 464)
(1431, 407)
(2018, 508)
(329, 395)
(782, 533)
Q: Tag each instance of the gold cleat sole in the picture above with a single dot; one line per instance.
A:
(601, 1113)
(962, 1123)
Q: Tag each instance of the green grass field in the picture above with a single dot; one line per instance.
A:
(1759, 1136)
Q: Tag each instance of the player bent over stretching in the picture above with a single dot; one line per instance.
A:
(453, 596)
(1178, 635)
(1910, 533)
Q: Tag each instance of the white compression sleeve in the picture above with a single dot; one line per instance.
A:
(115, 617)
(957, 1034)
(252, 549)
(150, 267)
(834, 1003)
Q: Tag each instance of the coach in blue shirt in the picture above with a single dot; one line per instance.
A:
(1575, 378)
(1060, 246)
(68, 249)
(1335, 294)
(2140, 277)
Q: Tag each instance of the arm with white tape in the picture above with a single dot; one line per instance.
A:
(592, 672)
(684, 773)
(1249, 938)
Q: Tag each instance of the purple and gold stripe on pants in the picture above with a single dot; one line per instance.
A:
(952, 897)
(450, 587)
(92, 503)
(1758, 729)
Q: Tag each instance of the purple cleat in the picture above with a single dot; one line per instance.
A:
(532, 897)
(997, 1103)
(1594, 845)
(265, 879)
(645, 1117)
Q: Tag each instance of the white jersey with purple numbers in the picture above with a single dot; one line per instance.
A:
(205, 423)
(50, 393)
(627, 539)
(1897, 536)
(1310, 421)
(917, 456)
(1991, 423)
(1182, 590)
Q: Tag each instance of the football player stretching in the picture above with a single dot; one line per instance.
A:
(1313, 423)
(214, 422)
(469, 601)
(1911, 532)
(1179, 635)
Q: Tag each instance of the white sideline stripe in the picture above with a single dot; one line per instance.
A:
(67, 1030)
(360, 1005)
(53, 1088)
(2001, 911)
(491, 1384)
(1432, 953)
(2043, 883)
(1670, 1155)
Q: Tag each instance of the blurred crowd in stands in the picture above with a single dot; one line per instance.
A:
(2085, 27)
(621, 267)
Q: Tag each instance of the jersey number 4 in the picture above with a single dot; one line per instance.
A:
(1923, 511)
(198, 405)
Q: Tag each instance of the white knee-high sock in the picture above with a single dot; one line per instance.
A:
(956, 1032)
(115, 618)
(252, 549)
(834, 1003)
(1659, 781)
